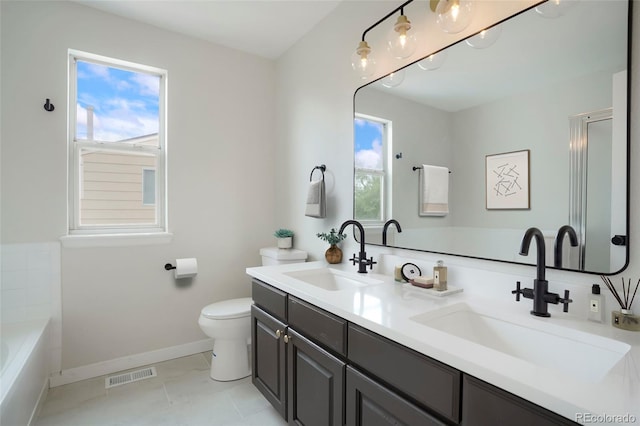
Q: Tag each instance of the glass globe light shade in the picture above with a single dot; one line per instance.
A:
(362, 61)
(554, 8)
(394, 79)
(454, 16)
(485, 38)
(433, 62)
(401, 39)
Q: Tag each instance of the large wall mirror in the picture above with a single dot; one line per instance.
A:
(548, 100)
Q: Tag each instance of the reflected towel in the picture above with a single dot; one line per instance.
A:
(316, 202)
(434, 191)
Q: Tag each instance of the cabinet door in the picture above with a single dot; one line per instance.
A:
(268, 358)
(370, 404)
(315, 384)
(484, 404)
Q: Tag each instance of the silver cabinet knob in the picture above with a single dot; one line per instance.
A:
(278, 333)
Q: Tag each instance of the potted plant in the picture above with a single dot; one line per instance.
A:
(333, 253)
(285, 238)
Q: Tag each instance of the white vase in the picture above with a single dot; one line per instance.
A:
(285, 243)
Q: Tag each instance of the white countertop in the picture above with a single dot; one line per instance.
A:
(387, 309)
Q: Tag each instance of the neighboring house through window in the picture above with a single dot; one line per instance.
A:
(117, 146)
(371, 178)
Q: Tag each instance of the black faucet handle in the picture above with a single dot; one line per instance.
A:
(565, 301)
(355, 259)
(517, 291)
(371, 262)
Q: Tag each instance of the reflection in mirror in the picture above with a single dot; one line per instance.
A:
(525, 91)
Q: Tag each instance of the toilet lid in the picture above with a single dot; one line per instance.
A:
(228, 309)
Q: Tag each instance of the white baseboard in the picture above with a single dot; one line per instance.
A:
(43, 396)
(125, 363)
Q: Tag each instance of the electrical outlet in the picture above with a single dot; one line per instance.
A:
(595, 306)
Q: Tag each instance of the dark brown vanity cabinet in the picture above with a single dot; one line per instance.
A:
(315, 368)
(303, 380)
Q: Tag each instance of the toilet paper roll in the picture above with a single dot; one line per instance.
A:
(186, 268)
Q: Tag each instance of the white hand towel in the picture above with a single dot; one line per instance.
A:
(316, 202)
(434, 191)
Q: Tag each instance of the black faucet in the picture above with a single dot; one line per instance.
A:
(361, 260)
(386, 226)
(557, 248)
(540, 294)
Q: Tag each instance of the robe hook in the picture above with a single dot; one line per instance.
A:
(48, 106)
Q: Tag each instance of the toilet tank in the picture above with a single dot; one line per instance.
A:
(275, 256)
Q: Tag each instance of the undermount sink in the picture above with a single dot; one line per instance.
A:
(585, 356)
(332, 279)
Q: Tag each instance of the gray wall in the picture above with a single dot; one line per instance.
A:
(119, 301)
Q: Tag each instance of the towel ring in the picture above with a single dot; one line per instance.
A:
(322, 168)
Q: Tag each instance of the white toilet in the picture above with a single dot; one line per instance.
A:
(229, 324)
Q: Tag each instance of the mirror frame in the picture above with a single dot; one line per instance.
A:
(628, 148)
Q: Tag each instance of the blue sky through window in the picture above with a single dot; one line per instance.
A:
(368, 143)
(126, 103)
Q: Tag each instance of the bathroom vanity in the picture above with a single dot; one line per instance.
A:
(330, 346)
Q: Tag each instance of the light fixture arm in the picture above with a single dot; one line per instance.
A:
(399, 8)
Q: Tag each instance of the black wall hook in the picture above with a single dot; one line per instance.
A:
(48, 106)
(169, 267)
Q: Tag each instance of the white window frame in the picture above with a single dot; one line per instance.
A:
(386, 184)
(75, 147)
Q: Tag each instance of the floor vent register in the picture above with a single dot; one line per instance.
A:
(130, 377)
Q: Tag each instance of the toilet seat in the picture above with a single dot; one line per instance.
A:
(228, 309)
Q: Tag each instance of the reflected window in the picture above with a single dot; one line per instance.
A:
(372, 137)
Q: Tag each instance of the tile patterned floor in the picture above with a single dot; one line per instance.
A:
(182, 394)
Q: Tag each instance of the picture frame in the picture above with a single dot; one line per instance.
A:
(508, 181)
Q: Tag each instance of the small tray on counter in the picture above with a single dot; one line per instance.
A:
(431, 292)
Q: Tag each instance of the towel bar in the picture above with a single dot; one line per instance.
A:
(420, 168)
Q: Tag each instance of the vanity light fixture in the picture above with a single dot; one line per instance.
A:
(394, 79)
(554, 8)
(362, 61)
(433, 62)
(453, 16)
(485, 38)
(401, 41)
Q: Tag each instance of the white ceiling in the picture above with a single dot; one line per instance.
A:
(265, 28)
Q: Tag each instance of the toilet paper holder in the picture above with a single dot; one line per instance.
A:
(169, 267)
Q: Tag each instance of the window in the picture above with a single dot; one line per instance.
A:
(117, 146)
(372, 140)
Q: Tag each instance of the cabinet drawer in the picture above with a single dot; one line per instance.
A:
(319, 325)
(270, 299)
(429, 382)
(485, 404)
(369, 403)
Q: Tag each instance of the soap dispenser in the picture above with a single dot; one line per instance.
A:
(596, 304)
(440, 276)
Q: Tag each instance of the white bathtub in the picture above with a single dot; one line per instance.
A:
(24, 375)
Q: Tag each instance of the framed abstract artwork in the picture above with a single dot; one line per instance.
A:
(507, 181)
